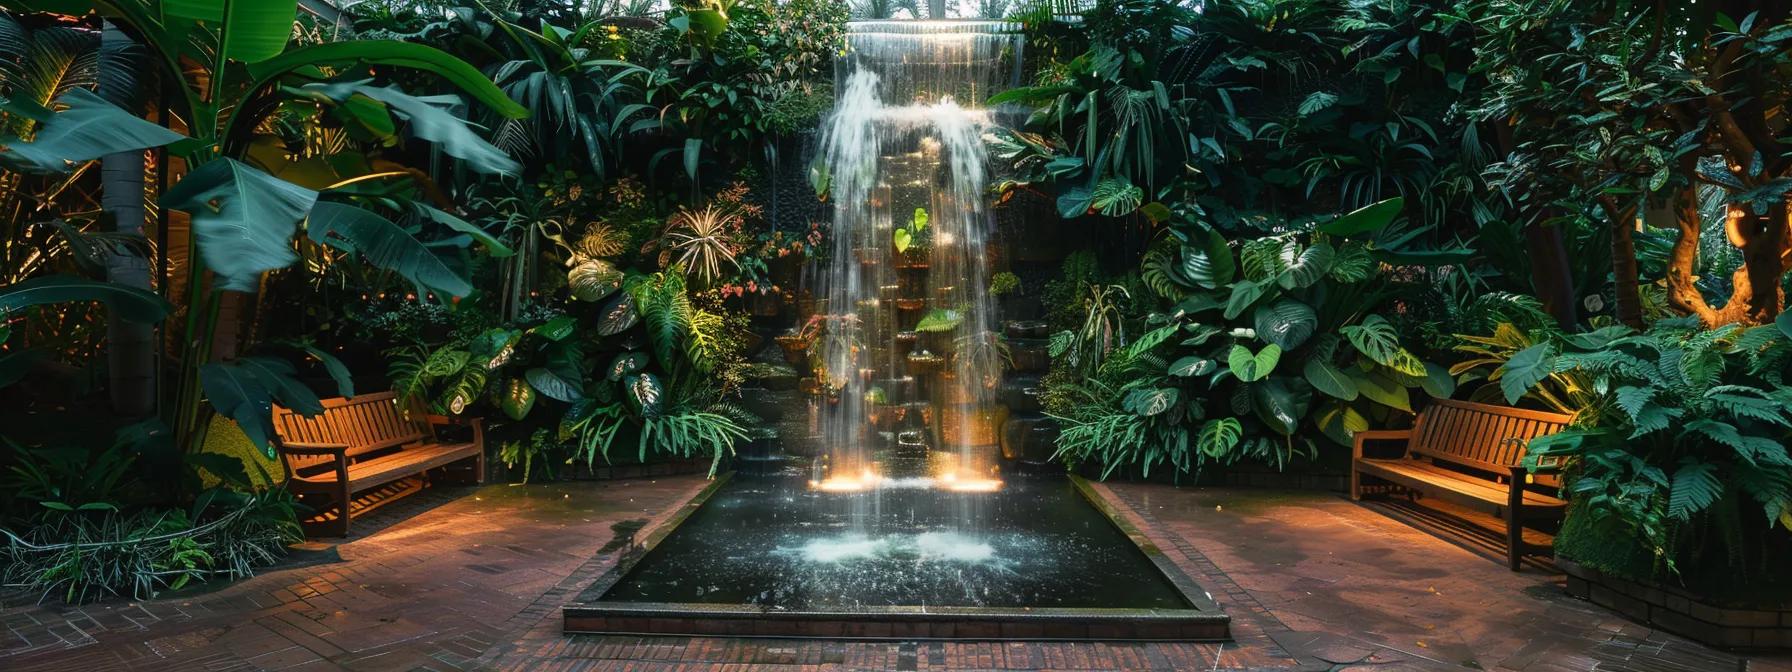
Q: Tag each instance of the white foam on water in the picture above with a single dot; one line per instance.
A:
(940, 547)
(954, 547)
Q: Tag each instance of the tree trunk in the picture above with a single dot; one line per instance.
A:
(1551, 276)
(130, 346)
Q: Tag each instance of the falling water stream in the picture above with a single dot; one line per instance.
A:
(910, 355)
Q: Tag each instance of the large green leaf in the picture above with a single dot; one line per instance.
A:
(1208, 261)
(1328, 379)
(1306, 268)
(1193, 366)
(1219, 436)
(552, 384)
(1287, 323)
(1525, 369)
(245, 219)
(1381, 390)
(1369, 218)
(492, 244)
(1281, 402)
(1340, 421)
(431, 118)
(384, 244)
(518, 398)
(644, 393)
(129, 303)
(1438, 381)
(1376, 338)
(1251, 368)
(345, 384)
(593, 279)
(245, 390)
(252, 30)
(89, 129)
(618, 315)
(1244, 293)
(1152, 401)
(1116, 196)
(398, 54)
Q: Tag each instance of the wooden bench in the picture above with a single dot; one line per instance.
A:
(1472, 455)
(364, 442)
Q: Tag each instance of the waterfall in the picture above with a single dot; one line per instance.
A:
(910, 353)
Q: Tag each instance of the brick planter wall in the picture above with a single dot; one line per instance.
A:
(1681, 612)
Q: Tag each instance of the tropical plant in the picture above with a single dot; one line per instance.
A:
(1680, 425)
(1238, 328)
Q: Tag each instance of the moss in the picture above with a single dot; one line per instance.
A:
(225, 438)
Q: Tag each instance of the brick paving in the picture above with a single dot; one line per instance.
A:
(472, 579)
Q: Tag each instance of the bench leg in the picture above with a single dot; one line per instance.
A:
(479, 469)
(1356, 484)
(1515, 523)
(342, 506)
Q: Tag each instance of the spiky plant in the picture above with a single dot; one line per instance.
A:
(699, 238)
(602, 241)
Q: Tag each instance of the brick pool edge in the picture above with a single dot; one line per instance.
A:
(1202, 621)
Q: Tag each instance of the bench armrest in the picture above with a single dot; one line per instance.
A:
(303, 448)
(1356, 448)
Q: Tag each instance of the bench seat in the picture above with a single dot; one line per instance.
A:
(1472, 455)
(1423, 475)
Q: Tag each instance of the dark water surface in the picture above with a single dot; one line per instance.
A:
(769, 541)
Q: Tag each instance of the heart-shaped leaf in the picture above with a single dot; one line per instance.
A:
(903, 239)
(1340, 421)
(1243, 295)
(1251, 368)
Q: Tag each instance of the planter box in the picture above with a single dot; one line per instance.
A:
(1681, 612)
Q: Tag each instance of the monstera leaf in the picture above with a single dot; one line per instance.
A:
(382, 243)
(1116, 196)
(128, 303)
(518, 398)
(644, 393)
(89, 129)
(1219, 436)
(625, 364)
(245, 219)
(618, 316)
(593, 279)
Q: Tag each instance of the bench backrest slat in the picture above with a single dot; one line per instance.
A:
(1480, 435)
(365, 423)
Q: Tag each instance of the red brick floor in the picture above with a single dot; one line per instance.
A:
(472, 580)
